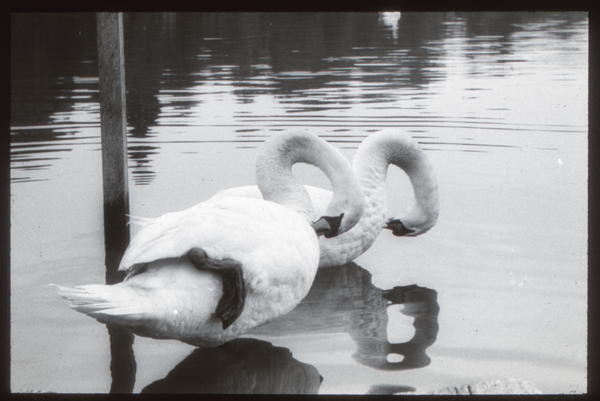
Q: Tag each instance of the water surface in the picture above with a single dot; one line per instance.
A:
(497, 100)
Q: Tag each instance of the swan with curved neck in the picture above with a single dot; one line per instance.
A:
(371, 163)
(276, 182)
(208, 274)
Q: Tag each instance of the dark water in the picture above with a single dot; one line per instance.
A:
(499, 102)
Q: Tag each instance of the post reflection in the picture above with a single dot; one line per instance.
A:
(390, 20)
(343, 299)
(241, 366)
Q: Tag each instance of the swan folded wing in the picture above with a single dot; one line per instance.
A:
(319, 197)
(228, 228)
(174, 234)
(248, 191)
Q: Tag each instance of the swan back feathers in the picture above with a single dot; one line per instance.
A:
(234, 228)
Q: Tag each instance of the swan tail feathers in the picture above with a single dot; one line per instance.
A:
(106, 303)
(140, 221)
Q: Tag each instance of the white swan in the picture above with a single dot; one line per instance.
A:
(371, 163)
(210, 273)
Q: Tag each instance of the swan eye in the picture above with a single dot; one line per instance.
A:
(398, 229)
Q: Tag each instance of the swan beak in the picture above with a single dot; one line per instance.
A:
(328, 226)
(398, 229)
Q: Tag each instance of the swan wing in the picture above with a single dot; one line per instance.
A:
(265, 237)
(319, 197)
(248, 191)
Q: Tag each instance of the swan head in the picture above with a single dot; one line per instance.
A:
(402, 228)
(398, 228)
(415, 221)
(343, 213)
(328, 226)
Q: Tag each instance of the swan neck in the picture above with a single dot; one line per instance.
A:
(380, 150)
(277, 183)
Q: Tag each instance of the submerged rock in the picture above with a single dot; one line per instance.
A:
(502, 386)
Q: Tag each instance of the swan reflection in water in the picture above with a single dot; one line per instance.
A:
(343, 299)
(241, 366)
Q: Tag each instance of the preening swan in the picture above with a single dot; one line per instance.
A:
(371, 162)
(210, 273)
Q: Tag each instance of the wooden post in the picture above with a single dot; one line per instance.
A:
(111, 69)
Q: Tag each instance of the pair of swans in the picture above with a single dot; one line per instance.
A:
(210, 273)
(370, 164)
